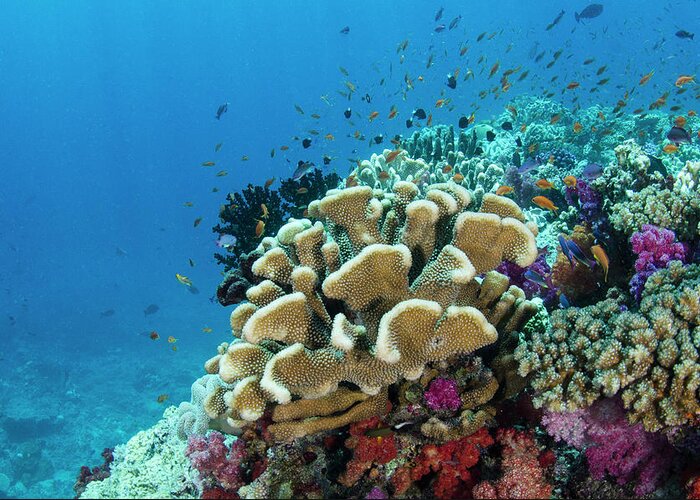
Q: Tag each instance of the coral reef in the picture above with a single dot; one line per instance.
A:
(97, 473)
(649, 356)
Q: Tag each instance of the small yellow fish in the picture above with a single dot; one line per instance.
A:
(206, 329)
(221, 173)
(601, 258)
(208, 163)
(188, 204)
(183, 279)
(171, 340)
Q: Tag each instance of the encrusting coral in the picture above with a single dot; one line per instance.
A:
(649, 356)
(380, 286)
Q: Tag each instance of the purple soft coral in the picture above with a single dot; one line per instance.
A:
(517, 277)
(655, 248)
(443, 395)
(218, 466)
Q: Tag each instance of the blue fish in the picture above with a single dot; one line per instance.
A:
(536, 277)
(578, 254)
(530, 164)
(565, 249)
(563, 301)
(592, 171)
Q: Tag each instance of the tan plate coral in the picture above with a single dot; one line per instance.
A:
(381, 285)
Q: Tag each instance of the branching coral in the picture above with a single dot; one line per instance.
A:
(649, 356)
(381, 285)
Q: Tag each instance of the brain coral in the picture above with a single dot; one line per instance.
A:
(650, 356)
(382, 284)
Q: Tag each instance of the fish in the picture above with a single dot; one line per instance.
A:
(572, 85)
(192, 264)
(151, 309)
(685, 34)
(507, 126)
(244, 158)
(343, 70)
(269, 182)
(409, 123)
(197, 221)
(454, 23)
(259, 229)
(555, 118)
(154, 335)
(384, 175)
(563, 301)
(392, 113)
(306, 143)
(430, 120)
(555, 21)
(378, 139)
(345, 30)
(315, 116)
(107, 313)
(517, 161)
(302, 190)
(494, 68)
(544, 184)
(373, 115)
(188, 204)
(440, 103)
(570, 181)
(221, 110)
(530, 164)
(577, 127)
(206, 329)
(438, 14)
(302, 169)
(490, 135)
(419, 114)
(299, 109)
(183, 279)
(578, 254)
(458, 177)
(347, 113)
(392, 155)
(592, 171)
(221, 173)
(265, 212)
(563, 243)
(225, 241)
(644, 79)
(670, 148)
(591, 11)
(523, 75)
(284, 148)
(588, 61)
(329, 137)
(430, 61)
(481, 36)
(601, 70)
(272, 153)
(120, 252)
(678, 135)
(171, 339)
(208, 164)
(504, 190)
(162, 398)
(684, 79)
(447, 169)
(535, 277)
(680, 121)
(544, 202)
(601, 258)
(451, 81)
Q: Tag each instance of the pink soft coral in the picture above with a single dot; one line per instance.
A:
(443, 394)
(655, 248)
(219, 468)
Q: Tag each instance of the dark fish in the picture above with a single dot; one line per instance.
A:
(593, 10)
(193, 290)
(121, 252)
(478, 151)
(455, 22)
(490, 135)
(656, 165)
(302, 169)
(535, 277)
(451, 81)
(367, 98)
(685, 34)
(592, 171)
(107, 313)
(222, 109)
(327, 160)
(152, 309)
(438, 14)
(555, 22)
(539, 56)
(420, 114)
(409, 123)
(578, 254)
(530, 164)
(518, 142)
(347, 113)
(678, 135)
(306, 143)
(378, 139)
(463, 122)
(507, 126)
(565, 249)
(516, 159)
(439, 28)
(345, 30)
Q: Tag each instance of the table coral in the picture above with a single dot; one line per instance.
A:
(650, 356)
(382, 284)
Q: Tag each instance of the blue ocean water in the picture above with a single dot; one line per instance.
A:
(107, 111)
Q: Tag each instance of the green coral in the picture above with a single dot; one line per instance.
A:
(649, 356)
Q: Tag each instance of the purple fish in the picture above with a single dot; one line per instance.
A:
(530, 164)
(678, 135)
(565, 249)
(302, 169)
(225, 241)
(592, 171)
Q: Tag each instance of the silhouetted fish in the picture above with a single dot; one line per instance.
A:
(107, 313)
(151, 309)
(222, 109)
(591, 11)
(345, 30)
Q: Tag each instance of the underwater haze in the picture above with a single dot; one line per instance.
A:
(125, 125)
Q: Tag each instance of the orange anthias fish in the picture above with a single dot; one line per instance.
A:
(544, 202)
(569, 181)
(573, 85)
(494, 69)
(269, 182)
(646, 78)
(384, 175)
(680, 121)
(373, 115)
(392, 155)
(329, 137)
(439, 103)
(577, 127)
(302, 190)
(544, 184)
(430, 120)
(284, 148)
(458, 177)
(504, 190)
(670, 148)
(208, 164)
(683, 79)
(265, 213)
(154, 335)
(692, 113)
(601, 258)
(162, 398)
(392, 113)
(259, 229)
(555, 119)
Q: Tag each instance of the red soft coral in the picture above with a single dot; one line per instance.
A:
(368, 450)
(523, 476)
(219, 467)
(452, 461)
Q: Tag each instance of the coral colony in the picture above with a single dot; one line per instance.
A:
(410, 333)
